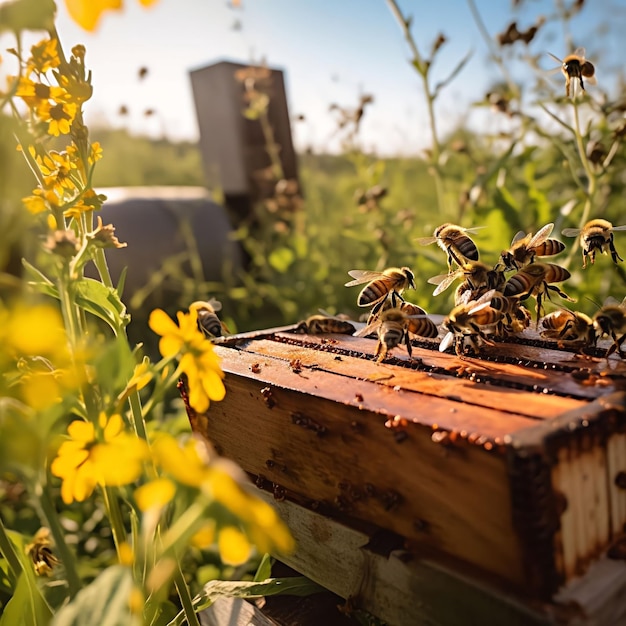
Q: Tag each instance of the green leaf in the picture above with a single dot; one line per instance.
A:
(27, 606)
(39, 280)
(121, 282)
(104, 602)
(102, 301)
(294, 586)
(281, 258)
(454, 73)
(264, 571)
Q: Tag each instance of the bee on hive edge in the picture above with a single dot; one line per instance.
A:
(595, 235)
(208, 321)
(575, 66)
(40, 552)
(454, 241)
(524, 248)
(392, 328)
(479, 278)
(610, 320)
(324, 324)
(535, 280)
(515, 316)
(568, 326)
(380, 285)
(470, 322)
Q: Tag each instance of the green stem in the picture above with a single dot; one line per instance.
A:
(136, 412)
(492, 49)
(67, 557)
(185, 597)
(422, 66)
(102, 267)
(271, 147)
(8, 551)
(115, 517)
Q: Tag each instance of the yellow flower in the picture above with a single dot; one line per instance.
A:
(36, 203)
(205, 537)
(59, 116)
(96, 152)
(157, 493)
(109, 457)
(198, 361)
(86, 13)
(35, 94)
(184, 462)
(233, 545)
(140, 378)
(44, 56)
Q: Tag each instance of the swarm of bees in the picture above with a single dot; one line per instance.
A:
(488, 304)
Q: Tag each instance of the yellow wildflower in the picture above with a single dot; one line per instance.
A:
(86, 13)
(59, 116)
(108, 457)
(95, 153)
(157, 493)
(44, 56)
(198, 361)
(35, 94)
(233, 545)
(205, 537)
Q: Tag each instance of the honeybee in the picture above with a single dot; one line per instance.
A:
(392, 328)
(208, 321)
(470, 322)
(535, 280)
(595, 235)
(40, 552)
(524, 248)
(325, 324)
(571, 326)
(575, 66)
(515, 316)
(479, 278)
(391, 282)
(611, 320)
(452, 239)
(417, 322)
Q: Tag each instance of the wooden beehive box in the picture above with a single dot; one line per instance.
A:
(511, 466)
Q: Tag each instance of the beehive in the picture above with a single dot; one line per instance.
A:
(511, 466)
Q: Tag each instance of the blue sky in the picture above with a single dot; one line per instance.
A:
(331, 51)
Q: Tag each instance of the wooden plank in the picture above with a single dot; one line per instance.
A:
(454, 499)
(363, 395)
(510, 400)
(234, 612)
(395, 587)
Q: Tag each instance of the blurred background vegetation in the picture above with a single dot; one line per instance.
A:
(358, 210)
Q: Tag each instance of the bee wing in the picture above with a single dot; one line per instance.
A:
(479, 306)
(580, 52)
(591, 80)
(486, 297)
(446, 342)
(570, 232)
(446, 281)
(519, 235)
(559, 61)
(541, 235)
(216, 304)
(619, 228)
(362, 276)
(367, 330)
(473, 229)
(465, 297)
(425, 241)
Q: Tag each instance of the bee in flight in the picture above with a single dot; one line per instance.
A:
(454, 241)
(208, 321)
(380, 285)
(535, 280)
(610, 320)
(524, 248)
(568, 326)
(393, 326)
(595, 235)
(40, 552)
(324, 324)
(575, 66)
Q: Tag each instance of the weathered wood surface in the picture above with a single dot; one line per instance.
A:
(477, 460)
